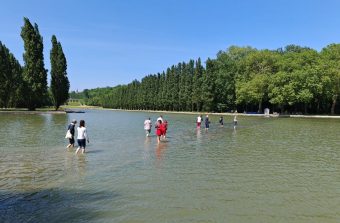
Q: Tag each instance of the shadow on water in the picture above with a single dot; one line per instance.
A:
(53, 205)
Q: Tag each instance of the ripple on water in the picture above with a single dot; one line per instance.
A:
(265, 170)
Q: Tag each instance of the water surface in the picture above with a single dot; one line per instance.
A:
(266, 170)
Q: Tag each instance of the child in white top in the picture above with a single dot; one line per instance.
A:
(82, 137)
(147, 126)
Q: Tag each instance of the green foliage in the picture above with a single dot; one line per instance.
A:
(330, 56)
(27, 86)
(34, 73)
(60, 84)
(208, 87)
(292, 79)
(10, 78)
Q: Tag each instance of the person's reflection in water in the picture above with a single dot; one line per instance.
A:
(147, 147)
(69, 162)
(160, 150)
(233, 135)
(81, 165)
(147, 141)
(198, 133)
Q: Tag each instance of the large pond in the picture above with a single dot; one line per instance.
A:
(265, 170)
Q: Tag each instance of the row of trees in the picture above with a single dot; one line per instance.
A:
(292, 79)
(26, 86)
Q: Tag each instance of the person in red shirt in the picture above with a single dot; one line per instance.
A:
(160, 129)
(165, 123)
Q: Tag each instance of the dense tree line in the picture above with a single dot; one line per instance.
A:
(293, 79)
(26, 86)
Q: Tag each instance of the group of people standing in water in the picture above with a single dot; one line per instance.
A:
(207, 122)
(161, 125)
(82, 135)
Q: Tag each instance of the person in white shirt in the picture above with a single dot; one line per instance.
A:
(160, 118)
(147, 126)
(235, 121)
(82, 137)
(199, 121)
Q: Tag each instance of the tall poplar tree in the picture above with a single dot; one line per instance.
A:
(34, 72)
(60, 84)
(197, 86)
(5, 73)
(208, 86)
(10, 77)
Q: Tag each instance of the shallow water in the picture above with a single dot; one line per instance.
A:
(267, 170)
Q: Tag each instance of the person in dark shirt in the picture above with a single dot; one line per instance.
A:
(206, 122)
(71, 127)
(221, 121)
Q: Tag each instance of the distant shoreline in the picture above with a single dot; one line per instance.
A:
(228, 114)
(64, 108)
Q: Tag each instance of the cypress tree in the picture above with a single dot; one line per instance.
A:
(181, 92)
(60, 84)
(34, 73)
(15, 87)
(208, 86)
(10, 77)
(5, 72)
(197, 86)
(189, 85)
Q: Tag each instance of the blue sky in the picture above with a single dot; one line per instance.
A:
(111, 42)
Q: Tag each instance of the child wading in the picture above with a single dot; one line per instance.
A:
(147, 126)
(82, 137)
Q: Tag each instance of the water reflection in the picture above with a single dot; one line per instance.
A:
(198, 134)
(75, 166)
(81, 164)
(197, 177)
(147, 147)
(59, 120)
(160, 150)
(34, 126)
(147, 141)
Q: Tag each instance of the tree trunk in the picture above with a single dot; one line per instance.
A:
(260, 107)
(335, 97)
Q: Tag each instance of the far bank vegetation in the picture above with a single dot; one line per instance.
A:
(292, 79)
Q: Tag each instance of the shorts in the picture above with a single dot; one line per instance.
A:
(159, 132)
(206, 125)
(235, 122)
(82, 143)
(71, 140)
(198, 124)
